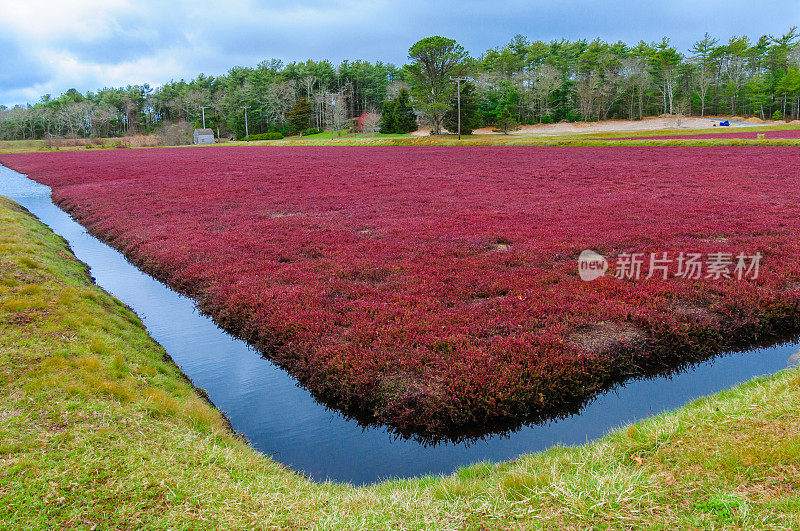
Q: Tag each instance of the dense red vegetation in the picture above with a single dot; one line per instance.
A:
(436, 289)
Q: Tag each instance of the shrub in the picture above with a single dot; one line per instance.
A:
(143, 140)
(506, 122)
(59, 142)
(573, 116)
(369, 122)
(177, 134)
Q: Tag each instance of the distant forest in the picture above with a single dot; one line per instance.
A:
(522, 82)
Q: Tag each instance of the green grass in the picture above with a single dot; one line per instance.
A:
(704, 131)
(604, 139)
(326, 135)
(32, 146)
(97, 427)
(21, 146)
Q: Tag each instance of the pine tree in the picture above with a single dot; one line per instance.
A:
(470, 120)
(300, 114)
(405, 120)
(387, 118)
(397, 115)
(506, 121)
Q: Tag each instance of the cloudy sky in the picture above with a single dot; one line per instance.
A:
(51, 46)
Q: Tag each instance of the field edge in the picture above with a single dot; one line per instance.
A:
(432, 423)
(97, 428)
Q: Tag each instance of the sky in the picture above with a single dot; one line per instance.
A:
(51, 46)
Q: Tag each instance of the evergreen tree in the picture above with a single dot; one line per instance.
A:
(387, 117)
(506, 121)
(470, 119)
(397, 115)
(300, 114)
(435, 62)
(405, 120)
(573, 80)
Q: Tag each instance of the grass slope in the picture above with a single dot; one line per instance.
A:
(97, 427)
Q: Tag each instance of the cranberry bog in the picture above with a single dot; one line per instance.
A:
(437, 290)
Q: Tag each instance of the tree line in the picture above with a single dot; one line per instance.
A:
(522, 82)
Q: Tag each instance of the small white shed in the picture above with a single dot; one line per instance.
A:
(203, 136)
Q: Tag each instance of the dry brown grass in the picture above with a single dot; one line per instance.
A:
(141, 141)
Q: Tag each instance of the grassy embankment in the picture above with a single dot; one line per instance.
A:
(631, 138)
(97, 426)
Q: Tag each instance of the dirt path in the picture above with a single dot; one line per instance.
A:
(610, 126)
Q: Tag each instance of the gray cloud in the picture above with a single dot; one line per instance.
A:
(147, 42)
(19, 68)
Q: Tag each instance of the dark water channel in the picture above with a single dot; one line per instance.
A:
(282, 420)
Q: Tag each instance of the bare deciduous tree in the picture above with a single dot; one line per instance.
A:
(336, 112)
(371, 122)
(546, 80)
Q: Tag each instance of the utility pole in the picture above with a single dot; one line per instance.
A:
(246, 130)
(204, 116)
(458, 84)
(459, 108)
